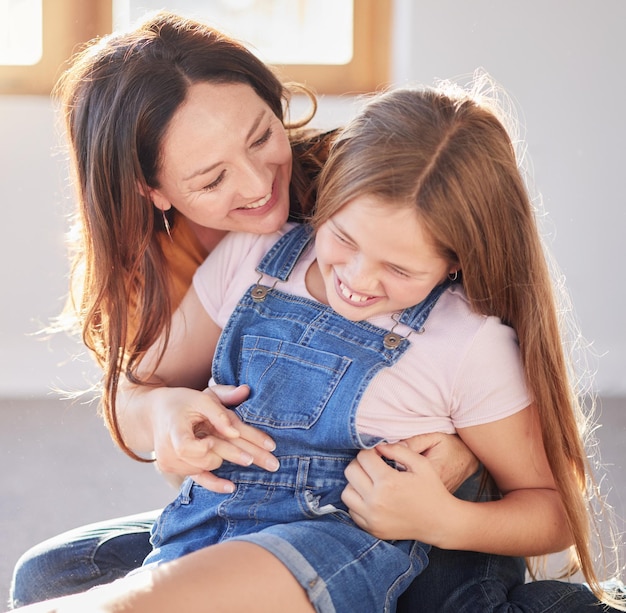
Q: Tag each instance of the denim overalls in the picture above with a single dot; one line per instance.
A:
(307, 368)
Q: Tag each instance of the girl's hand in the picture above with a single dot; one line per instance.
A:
(193, 433)
(449, 455)
(412, 503)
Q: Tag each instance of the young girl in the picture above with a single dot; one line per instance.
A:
(425, 305)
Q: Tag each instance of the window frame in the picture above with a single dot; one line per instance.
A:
(69, 24)
(370, 68)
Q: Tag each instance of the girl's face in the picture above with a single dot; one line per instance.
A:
(375, 258)
(226, 161)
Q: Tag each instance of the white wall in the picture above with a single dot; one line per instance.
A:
(33, 267)
(561, 60)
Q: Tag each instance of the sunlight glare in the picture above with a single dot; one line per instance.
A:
(278, 31)
(20, 32)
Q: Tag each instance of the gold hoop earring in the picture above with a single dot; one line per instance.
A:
(166, 223)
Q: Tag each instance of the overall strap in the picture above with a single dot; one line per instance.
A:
(416, 316)
(279, 261)
(283, 256)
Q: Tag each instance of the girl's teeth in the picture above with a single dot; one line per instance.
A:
(349, 295)
(259, 203)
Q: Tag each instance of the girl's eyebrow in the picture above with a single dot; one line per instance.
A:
(204, 170)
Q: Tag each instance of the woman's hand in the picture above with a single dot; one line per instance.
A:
(449, 455)
(193, 433)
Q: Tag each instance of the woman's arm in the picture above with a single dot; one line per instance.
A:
(415, 504)
(189, 430)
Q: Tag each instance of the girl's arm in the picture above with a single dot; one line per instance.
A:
(530, 518)
(189, 430)
(414, 504)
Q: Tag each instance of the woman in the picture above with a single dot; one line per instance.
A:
(137, 151)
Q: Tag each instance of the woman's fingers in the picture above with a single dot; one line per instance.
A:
(194, 434)
(242, 452)
(362, 473)
(230, 395)
(448, 454)
(215, 484)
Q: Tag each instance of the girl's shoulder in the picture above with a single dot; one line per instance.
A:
(239, 251)
(243, 244)
(230, 270)
(454, 316)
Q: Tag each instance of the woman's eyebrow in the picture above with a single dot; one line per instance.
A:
(255, 124)
(204, 170)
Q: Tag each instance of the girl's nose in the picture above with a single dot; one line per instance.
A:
(360, 275)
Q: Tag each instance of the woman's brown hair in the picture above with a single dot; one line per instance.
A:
(118, 97)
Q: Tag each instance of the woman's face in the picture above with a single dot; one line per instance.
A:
(225, 161)
(376, 258)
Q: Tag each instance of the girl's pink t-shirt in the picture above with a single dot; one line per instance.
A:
(463, 370)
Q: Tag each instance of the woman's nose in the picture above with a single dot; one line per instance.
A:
(255, 180)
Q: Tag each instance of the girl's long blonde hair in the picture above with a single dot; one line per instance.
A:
(446, 152)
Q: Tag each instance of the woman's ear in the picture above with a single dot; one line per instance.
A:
(159, 200)
(155, 196)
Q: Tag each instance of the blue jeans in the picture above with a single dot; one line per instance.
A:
(83, 558)
(100, 553)
(454, 581)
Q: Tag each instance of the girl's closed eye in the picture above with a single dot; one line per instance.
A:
(342, 239)
(399, 272)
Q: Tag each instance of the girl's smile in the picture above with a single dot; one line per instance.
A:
(350, 296)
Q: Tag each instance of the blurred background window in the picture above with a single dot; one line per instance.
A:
(278, 31)
(333, 46)
(21, 41)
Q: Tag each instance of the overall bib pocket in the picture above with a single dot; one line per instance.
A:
(263, 364)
